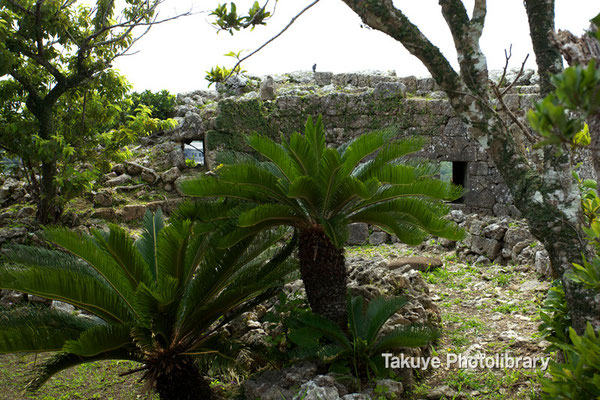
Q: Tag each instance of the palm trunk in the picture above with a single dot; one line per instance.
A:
(323, 270)
(183, 382)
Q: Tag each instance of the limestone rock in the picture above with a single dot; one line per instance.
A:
(359, 233)
(60, 306)
(267, 89)
(311, 391)
(131, 212)
(107, 213)
(25, 212)
(13, 235)
(542, 263)
(386, 90)
(119, 180)
(149, 177)
(391, 387)
(441, 392)
(483, 246)
(415, 262)
(133, 169)
(378, 238)
(170, 175)
(103, 199)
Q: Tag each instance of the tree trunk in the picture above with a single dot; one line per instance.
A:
(593, 122)
(541, 25)
(546, 194)
(183, 382)
(556, 224)
(323, 270)
(49, 208)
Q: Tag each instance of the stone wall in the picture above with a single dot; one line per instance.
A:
(351, 104)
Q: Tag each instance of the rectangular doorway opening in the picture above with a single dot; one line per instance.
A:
(454, 172)
(193, 152)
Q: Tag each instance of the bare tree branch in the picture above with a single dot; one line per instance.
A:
(270, 40)
(466, 35)
(388, 19)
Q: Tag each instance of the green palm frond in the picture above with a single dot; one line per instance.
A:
(34, 329)
(321, 326)
(268, 212)
(119, 244)
(308, 191)
(173, 245)
(389, 154)
(85, 248)
(300, 151)
(406, 336)
(100, 339)
(147, 244)
(358, 149)
(275, 153)
(45, 258)
(378, 312)
(170, 290)
(336, 228)
(81, 290)
(405, 227)
(315, 136)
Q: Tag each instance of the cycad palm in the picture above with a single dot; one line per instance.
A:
(364, 347)
(159, 300)
(321, 190)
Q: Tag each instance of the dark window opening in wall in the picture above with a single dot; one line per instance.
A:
(454, 172)
(459, 175)
(193, 153)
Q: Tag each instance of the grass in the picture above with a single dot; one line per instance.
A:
(98, 380)
(384, 250)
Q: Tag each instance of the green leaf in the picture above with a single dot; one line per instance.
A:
(147, 244)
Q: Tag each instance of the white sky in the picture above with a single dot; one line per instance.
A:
(175, 55)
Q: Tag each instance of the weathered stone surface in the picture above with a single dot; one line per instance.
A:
(60, 306)
(170, 175)
(25, 212)
(149, 177)
(385, 90)
(107, 213)
(131, 212)
(485, 246)
(542, 263)
(267, 89)
(119, 180)
(392, 388)
(13, 235)
(441, 392)
(494, 231)
(415, 262)
(103, 199)
(359, 234)
(133, 169)
(377, 238)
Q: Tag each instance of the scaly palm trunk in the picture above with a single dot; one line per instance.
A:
(183, 382)
(323, 270)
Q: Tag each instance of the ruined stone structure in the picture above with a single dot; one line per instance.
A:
(351, 104)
